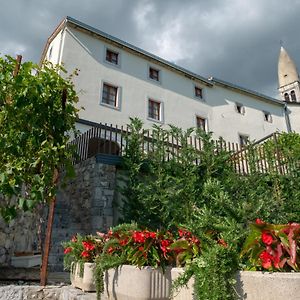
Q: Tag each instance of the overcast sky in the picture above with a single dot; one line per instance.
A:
(233, 40)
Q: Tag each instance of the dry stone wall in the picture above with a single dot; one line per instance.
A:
(84, 205)
(20, 235)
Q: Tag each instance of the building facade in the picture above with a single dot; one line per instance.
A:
(117, 81)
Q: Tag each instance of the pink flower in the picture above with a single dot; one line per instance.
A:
(74, 239)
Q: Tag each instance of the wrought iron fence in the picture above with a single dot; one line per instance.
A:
(255, 157)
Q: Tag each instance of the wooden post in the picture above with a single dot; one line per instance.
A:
(47, 244)
(18, 65)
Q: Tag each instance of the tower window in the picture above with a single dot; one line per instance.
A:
(293, 96)
(286, 97)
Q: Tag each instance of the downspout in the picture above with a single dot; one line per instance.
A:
(287, 118)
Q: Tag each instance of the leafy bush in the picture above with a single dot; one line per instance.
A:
(210, 198)
(272, 247)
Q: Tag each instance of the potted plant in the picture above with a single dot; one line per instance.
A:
(273, 251)
(137, 264)
(79, 256)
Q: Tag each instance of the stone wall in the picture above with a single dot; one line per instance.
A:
(20, 235)
(84, 205)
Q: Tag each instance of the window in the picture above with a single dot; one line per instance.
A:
(112, 57)
(240, 108)
(154, 110)
(198, 92)
(153, 74)
(201, 123)
(50, 53)
(267, 117)
(110, 95)
(293, 96)
(286, 97)
(244, 139)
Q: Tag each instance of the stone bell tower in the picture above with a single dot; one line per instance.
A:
(288, 78)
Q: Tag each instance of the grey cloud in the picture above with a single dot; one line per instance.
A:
(235, 40)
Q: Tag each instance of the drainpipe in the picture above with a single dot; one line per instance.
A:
(287, 118)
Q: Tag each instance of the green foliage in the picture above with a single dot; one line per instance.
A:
(81, 249)
(35, 123)
(210, 198)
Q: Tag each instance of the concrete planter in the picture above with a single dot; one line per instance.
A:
(184, 293)
(254, 285)
(128, 282)
(84, 281)
(26, 261)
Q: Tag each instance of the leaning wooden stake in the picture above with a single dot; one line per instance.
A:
(47, 244)
(48, 235)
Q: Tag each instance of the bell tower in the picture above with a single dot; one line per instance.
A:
(288, 78)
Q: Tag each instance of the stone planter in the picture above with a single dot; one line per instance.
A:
(84, 281)
(128, 282)
(254, 285)
(186, 292)
(26, 261)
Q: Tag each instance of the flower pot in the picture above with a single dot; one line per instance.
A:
(185, 292)
(128, 282)
(84, 281)
(26, 261)
(255, 285)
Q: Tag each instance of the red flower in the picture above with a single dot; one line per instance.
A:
(141, 248)
(123, 242)
(88, 246)
(85, 254)
(259, 221)
(152, 234)
(266, 238)
(222, 243)
(67, 250)
(266, 259)
(181, 232)
(110, 250)
(164, 246)
(138, 237)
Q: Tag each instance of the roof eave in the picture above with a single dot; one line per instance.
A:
(53, 35)
(137, 50)
(247, 91)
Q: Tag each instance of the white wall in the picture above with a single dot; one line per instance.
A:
(176, 93)
(294, 116)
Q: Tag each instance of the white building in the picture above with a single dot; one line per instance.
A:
(118, 80)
